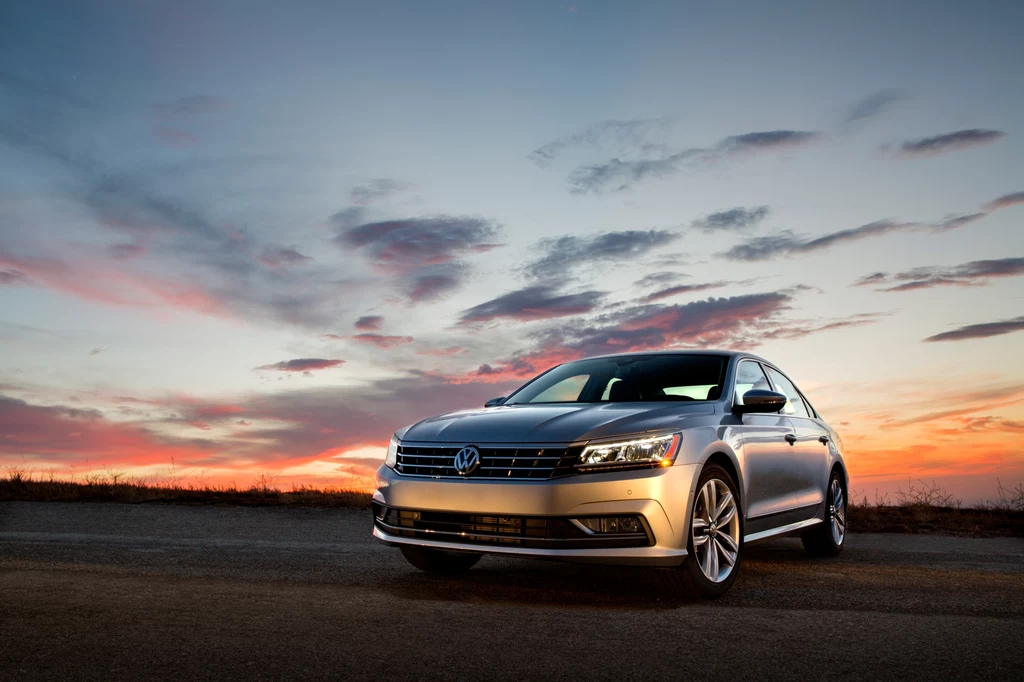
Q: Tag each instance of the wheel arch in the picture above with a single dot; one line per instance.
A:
(719, 453)
(839, 466)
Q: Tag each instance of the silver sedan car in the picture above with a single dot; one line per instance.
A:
(670, 459)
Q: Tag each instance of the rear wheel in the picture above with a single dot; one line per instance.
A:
(827, 539)
(438, 561)
(716, 537)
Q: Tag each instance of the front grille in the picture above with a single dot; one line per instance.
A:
(507, 461)
(536, 532)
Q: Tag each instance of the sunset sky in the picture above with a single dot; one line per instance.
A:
(258, 237)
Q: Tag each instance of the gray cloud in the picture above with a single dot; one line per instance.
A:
(623, 137)
(950, 142)
(375, 191)
(418, 242)
(659, 279)
(738, 218)
(953, 222)
(617, 175)
(563, 254)
(767, 140)
(11, 277)
(301, 365)
(786, 243)
(1006, 201)
(434, 282)
(369, 322)
(682, 289)
(974, 273)
(873, 278)
(873, 105)
(980, 331)
(533, 303)
(276, 256)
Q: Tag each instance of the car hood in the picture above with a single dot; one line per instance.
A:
(563, 423)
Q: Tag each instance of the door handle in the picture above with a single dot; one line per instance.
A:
(790, 438)
(823, 439)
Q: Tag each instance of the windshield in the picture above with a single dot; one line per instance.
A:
(628, 378)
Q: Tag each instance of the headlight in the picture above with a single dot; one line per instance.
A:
(391, 459)
(657, 451)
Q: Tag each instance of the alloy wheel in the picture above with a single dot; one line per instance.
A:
(715, 530)
(837, 512)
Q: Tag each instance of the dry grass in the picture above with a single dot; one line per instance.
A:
(114, 487)
(928, 508)
(918, 508)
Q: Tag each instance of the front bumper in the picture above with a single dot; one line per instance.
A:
(661, 496)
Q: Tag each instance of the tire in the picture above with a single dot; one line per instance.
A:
(692, 576)
(827, 539)
(439, 562)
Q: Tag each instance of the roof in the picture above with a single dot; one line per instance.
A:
(681, 351)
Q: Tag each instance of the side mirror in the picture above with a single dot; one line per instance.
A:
(494, 402)
(760, 400)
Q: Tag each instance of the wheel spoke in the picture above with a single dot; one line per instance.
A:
(729, 557)
(727, 543)
(704, 499)
(729, 514)
(712, 572)
(705, 562)
(712, 497)
(725, 502)
(699, 541)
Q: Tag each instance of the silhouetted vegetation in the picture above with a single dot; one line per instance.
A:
(113, 487)
(928, 508)
(917, 508)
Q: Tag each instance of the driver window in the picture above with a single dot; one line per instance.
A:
(749, 375)
(795, 405)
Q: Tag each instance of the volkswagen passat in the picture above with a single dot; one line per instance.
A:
(668, 459)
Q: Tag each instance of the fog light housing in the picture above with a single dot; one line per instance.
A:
(612, 524)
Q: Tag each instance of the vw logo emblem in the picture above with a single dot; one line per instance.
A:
(467, 460)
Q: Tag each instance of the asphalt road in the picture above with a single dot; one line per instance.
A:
(119, 592)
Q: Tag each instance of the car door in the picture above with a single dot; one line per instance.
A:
(766, 451)
(809, 455)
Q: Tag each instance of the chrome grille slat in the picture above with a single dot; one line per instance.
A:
(515, 462)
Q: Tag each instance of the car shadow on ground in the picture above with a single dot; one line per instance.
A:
(553, 583)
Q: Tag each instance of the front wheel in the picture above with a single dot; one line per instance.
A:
(715, 541)
(827, 539)
(438, 561)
